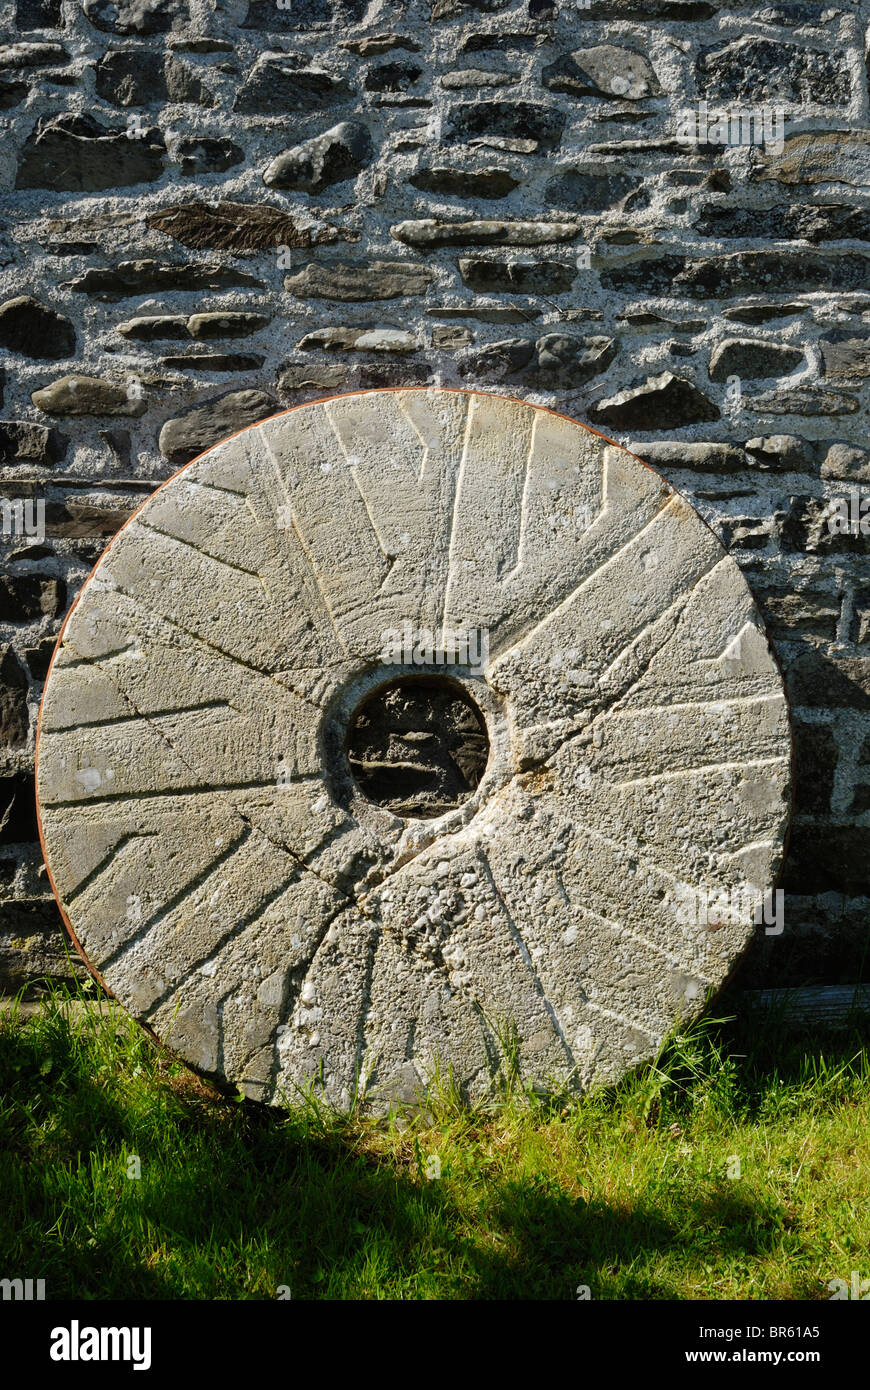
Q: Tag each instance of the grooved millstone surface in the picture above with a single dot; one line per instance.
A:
(213, 850)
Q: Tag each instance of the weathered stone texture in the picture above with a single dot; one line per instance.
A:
(304, 857)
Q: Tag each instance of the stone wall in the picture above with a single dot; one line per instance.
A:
(218, 209)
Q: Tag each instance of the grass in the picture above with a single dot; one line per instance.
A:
(627, 1192)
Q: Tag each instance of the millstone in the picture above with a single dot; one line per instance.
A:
(411, 731)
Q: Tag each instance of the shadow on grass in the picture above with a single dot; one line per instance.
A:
(770, 1044)
(334, 1225)
(235, 1201)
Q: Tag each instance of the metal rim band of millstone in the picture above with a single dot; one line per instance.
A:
(405, 731)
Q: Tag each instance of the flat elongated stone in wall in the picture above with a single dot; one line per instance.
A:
(358, 281)
(88, 395)
(32, 55)
(431, 232)
(405, 727)
(235, 227)
(132, 278)
(465, 183)
(516, 277)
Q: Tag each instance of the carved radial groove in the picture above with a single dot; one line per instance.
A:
(305, 856)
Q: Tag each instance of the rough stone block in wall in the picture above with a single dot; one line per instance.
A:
(652, 216)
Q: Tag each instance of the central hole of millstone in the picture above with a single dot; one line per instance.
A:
(417, 746)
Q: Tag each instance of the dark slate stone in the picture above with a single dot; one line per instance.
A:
(407, 372)
(228, 226)
(465, 183)
(313, 376)
(148, 276)
(501, 43)
(392, 77)
(27, 597)
(139, 77)
(677, 11)
(135, 16)
(354, 282)
(741, 272)
(828, 858)
(198, 429)
(582, 192)
(753, 359)
(34, 330)
(118, 443)
(806, 530)
(660, 403)
(818, 681)
(593, 72)
(268, 16)
(516, 277)
(14, 718)
(151, 328)
(756, 69)
(786, 222)
(554, 360)
(450, 9)
(131, 77)
(39, 656)
(74, 519)
(22, 442)
(278, 85)
(498, 361)
(565, 361)
(231, 323)
(696, 456)
(518, 120)
(38, 14)
(805, 613)
(793, 14)
(338, 154)
(800, 400)
(12, 94)
(215, 361)
(860, 798)
(73, 152)
(846, 356)
(206, 155)
(378, 44)
(70, 248)
(762, 313)
(652, 275)
(18, 810)
(784, 453)
(846, 463)
(207, 44)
